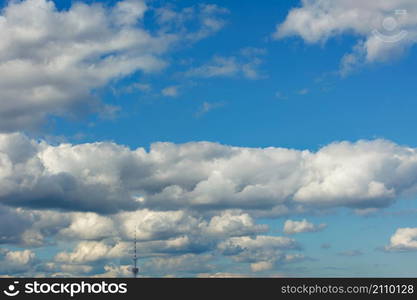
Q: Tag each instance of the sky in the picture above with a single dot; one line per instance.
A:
(233, 138)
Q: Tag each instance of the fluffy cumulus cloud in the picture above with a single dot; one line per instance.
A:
(157, 233)
(16, 262)
(166, 240)
(88, 226)
(385, 29)
(52, 61)
(293, 227)
(189, 203)
(90, 251)
(109, 178)
(404, 239)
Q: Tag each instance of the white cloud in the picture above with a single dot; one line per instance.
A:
(129, 11)
(89, 226)
(54, 269)
(174, 235)
(384, 31)
(143, 87)
(91, 251)
(110, 237)
(192, 199)
(246, 65)
(218, 67)
(228, 224)
(262, 266)
(209, 18)
(206, 107)
(115, 249)
(156, 225)
(294, 257)
(52, 61)
(361, 175)
(12, 262)
(281, 95)
(293, 227)
(404, 239)
(189, 252)
(112, 271)
(303, 92)
(19, 257)
(170, 91)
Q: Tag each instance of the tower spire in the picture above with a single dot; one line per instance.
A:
(135, 269)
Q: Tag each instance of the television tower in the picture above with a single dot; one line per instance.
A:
(135, 269)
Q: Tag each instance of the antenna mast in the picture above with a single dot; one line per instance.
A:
(135, 269)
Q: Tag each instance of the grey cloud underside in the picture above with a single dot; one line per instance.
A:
(109, 178)
(12, 225)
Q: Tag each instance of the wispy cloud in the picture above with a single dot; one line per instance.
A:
(170, 91)
(303, 92)
(246, 64)
(281, 95)
(206, 107)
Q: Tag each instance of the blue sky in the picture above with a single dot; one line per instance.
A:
(275, 115)
(357, 107)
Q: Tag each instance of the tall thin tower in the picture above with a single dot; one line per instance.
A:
(135, 269)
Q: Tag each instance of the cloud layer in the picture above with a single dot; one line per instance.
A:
(193, 208)
(187, 202)
(53, 61)
(385, 28)
(107, 178)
